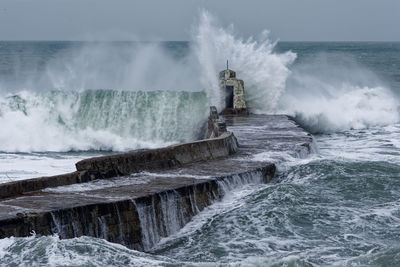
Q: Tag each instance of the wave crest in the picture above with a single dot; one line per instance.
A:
(99, 120)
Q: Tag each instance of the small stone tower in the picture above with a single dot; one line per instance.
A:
(233, 89)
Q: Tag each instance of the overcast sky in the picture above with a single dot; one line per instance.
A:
(295, 20)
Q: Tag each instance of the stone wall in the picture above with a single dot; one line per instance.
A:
(216, 125)
(162, 158)
(227, 78)
(138, 215)
(138, 223)
(222, 144)
(20, 187)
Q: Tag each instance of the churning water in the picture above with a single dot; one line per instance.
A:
(62, 101)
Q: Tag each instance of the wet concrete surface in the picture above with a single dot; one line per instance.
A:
(256, 134)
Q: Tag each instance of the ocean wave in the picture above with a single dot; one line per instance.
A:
(351, 107)
(99, 120)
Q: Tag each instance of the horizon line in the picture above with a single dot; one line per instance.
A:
(188, 41)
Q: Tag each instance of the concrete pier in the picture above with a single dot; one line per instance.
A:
(137, 198)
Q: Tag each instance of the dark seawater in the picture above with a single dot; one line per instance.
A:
(338, 207)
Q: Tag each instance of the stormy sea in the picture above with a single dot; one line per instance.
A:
(61, 102)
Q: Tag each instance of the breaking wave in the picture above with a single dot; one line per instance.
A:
(327, 93)
(159, 95)
(263, 70)
(333, 93)
(99, 120)
(353, 108)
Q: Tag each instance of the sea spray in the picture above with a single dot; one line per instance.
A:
(99, 120)
(325, 93)
(331, 93)
(77, 66)
(354, 108)
(263, 70)
(145, 106)
(339, 210)
(53, 101)
(154, 97)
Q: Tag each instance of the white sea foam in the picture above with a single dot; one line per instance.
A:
(52, 251)
(325, 226)
(98, 120)
(5, 243)
(333, 93)
(264, 71)
(373, 144)
(347, 108)
(325, 93)
(15, 166)
(76, 120)
(232, 200)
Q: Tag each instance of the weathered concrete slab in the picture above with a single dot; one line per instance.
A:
(137, 210)
(162, 158)
(223, 145)
(269, 133)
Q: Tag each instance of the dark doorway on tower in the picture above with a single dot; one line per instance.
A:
(229, 96)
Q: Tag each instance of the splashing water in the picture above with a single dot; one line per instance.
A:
(82, 251)
(263, 71)
(350, 108)
(339, 208)
(325, 95)
(322, 95)
(145, 106)
(99, 120)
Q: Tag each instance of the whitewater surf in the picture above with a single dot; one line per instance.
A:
(338, 207)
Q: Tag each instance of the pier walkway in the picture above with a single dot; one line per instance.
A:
(140, 208)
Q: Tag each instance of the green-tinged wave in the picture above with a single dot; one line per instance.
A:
(99, 120)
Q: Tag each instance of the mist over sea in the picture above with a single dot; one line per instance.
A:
(64, 101)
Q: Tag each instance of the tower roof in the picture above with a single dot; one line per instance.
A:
(227, 74)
